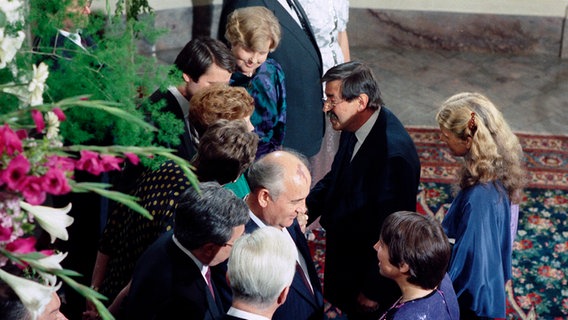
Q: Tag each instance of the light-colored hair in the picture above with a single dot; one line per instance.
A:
(261, 265)
(268, 173)
(252, 28)
(495, 153)
(219, 101)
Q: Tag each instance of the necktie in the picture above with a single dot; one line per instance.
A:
(351, 147)
(303, 22)
(208, 277)
(300, 271)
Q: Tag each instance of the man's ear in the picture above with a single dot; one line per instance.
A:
(187, 78)
(404, 268)
(209, 250)
(263, 197)
(282, 296)
(362, 101)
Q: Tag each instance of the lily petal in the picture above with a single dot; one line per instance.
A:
(51, 262)
(33, 295)
(53, 220)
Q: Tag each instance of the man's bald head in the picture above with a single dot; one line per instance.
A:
(272, 170)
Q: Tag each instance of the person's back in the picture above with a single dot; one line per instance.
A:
(491, 179)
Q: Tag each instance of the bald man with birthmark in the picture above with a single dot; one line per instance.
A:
(280, 182)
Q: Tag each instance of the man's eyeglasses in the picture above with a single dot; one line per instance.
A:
(330, 103)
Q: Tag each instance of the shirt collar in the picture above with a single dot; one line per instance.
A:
(203, 268)
(182, 101)
(244, 314)
(365, 129)
(75, 37)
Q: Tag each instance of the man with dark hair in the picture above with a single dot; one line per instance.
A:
(202, 62)
(172, 278)
(375, 172)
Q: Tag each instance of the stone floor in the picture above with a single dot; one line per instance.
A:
(532, 91)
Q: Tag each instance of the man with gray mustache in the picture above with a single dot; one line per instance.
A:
(375, 172)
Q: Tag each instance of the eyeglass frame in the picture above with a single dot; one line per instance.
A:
(330, 103)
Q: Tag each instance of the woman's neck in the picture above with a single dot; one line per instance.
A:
(413, 292)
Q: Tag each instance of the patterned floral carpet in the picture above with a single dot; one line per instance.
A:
(540, 255)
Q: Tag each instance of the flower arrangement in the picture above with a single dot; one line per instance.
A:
(36, 163)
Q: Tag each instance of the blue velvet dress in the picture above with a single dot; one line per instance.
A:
(441, 304)
(267, 88)
(479, 221)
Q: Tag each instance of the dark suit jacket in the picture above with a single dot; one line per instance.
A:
(353, 200)
(185, 149)
(300, 304)
(300, 59)
(167, 284)
(126, 180)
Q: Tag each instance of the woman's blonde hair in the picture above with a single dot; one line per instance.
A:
(252, 28)
(495, 153)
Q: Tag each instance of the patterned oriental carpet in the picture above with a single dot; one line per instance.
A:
(540, 253)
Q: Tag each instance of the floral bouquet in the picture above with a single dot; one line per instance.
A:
(35, 163)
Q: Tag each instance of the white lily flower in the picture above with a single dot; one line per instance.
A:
(53, 220)
(12, 10)
(48, 263)
(37, 84)
(9, 46)
(33, 295)
(52, 124)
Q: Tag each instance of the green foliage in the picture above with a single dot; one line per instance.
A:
(112, 69)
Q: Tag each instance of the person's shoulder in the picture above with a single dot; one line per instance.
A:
(159, 95)
(270, 68)
(487, 189)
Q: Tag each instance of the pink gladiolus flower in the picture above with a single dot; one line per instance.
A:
(61, 163)
(55, 182)
(89, 162)
(22, 134)
(38, 119)
(5, 233)
(133, 158)
(15, 174)
(59, 113)
(47, 253)
(111, 162)
(22, 245)
(33, 190)
(9, 141)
